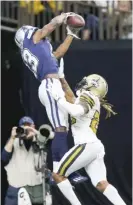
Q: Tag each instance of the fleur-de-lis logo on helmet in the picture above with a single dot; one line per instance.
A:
(95, 83)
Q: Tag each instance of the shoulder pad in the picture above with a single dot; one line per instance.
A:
(87, 98)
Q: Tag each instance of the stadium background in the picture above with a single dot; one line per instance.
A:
(106, 55)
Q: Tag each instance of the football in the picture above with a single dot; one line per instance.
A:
(76, 21)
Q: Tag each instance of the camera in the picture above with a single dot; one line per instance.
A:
(21, 132)
(45, 133)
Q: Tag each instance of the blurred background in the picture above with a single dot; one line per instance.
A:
(104, 19)
(105, 48)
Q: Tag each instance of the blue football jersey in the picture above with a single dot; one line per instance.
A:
(38, 57)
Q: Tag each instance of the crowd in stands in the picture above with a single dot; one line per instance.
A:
(110, 19)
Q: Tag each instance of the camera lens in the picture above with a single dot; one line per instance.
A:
(44, 132)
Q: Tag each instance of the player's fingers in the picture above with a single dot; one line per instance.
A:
(70, 14)
(67, 15)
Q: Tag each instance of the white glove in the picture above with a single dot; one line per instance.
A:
(61, 18)
(72, 31)
(61, 69)
(68, 15)
(54, 92)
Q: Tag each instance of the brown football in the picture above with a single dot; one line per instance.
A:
(76, 21)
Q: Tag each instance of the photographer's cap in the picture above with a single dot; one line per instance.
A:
(25, 119)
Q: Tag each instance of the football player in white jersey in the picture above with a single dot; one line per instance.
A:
(88, 151)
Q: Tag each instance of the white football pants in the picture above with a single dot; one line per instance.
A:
(89, 156)
(57, 116)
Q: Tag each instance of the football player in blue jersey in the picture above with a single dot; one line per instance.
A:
(39, 57)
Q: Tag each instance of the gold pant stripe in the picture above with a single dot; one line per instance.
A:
(70, 159)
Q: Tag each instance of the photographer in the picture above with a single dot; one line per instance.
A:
(20, 160)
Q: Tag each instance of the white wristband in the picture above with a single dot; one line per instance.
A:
(61, 75)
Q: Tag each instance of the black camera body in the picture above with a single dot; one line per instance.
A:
(21, 132)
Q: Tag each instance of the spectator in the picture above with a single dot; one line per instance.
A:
(34, 7)
(55, 5)
(20, 160)
(91, 31)
(127, 28)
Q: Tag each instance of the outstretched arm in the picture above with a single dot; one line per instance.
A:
(49, 28)
(75, 110)
(69, 95)
(62, 49)
(85, 103)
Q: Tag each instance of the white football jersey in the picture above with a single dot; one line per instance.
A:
(84, 127)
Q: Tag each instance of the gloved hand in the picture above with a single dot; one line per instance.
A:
(68, 14)
(62, 18)
(61, 69)
(72, 31)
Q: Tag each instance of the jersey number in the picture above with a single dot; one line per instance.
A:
(31, 61)
(95, 122)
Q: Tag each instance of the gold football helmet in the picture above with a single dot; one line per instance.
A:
(99, 87)
(94, 83)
